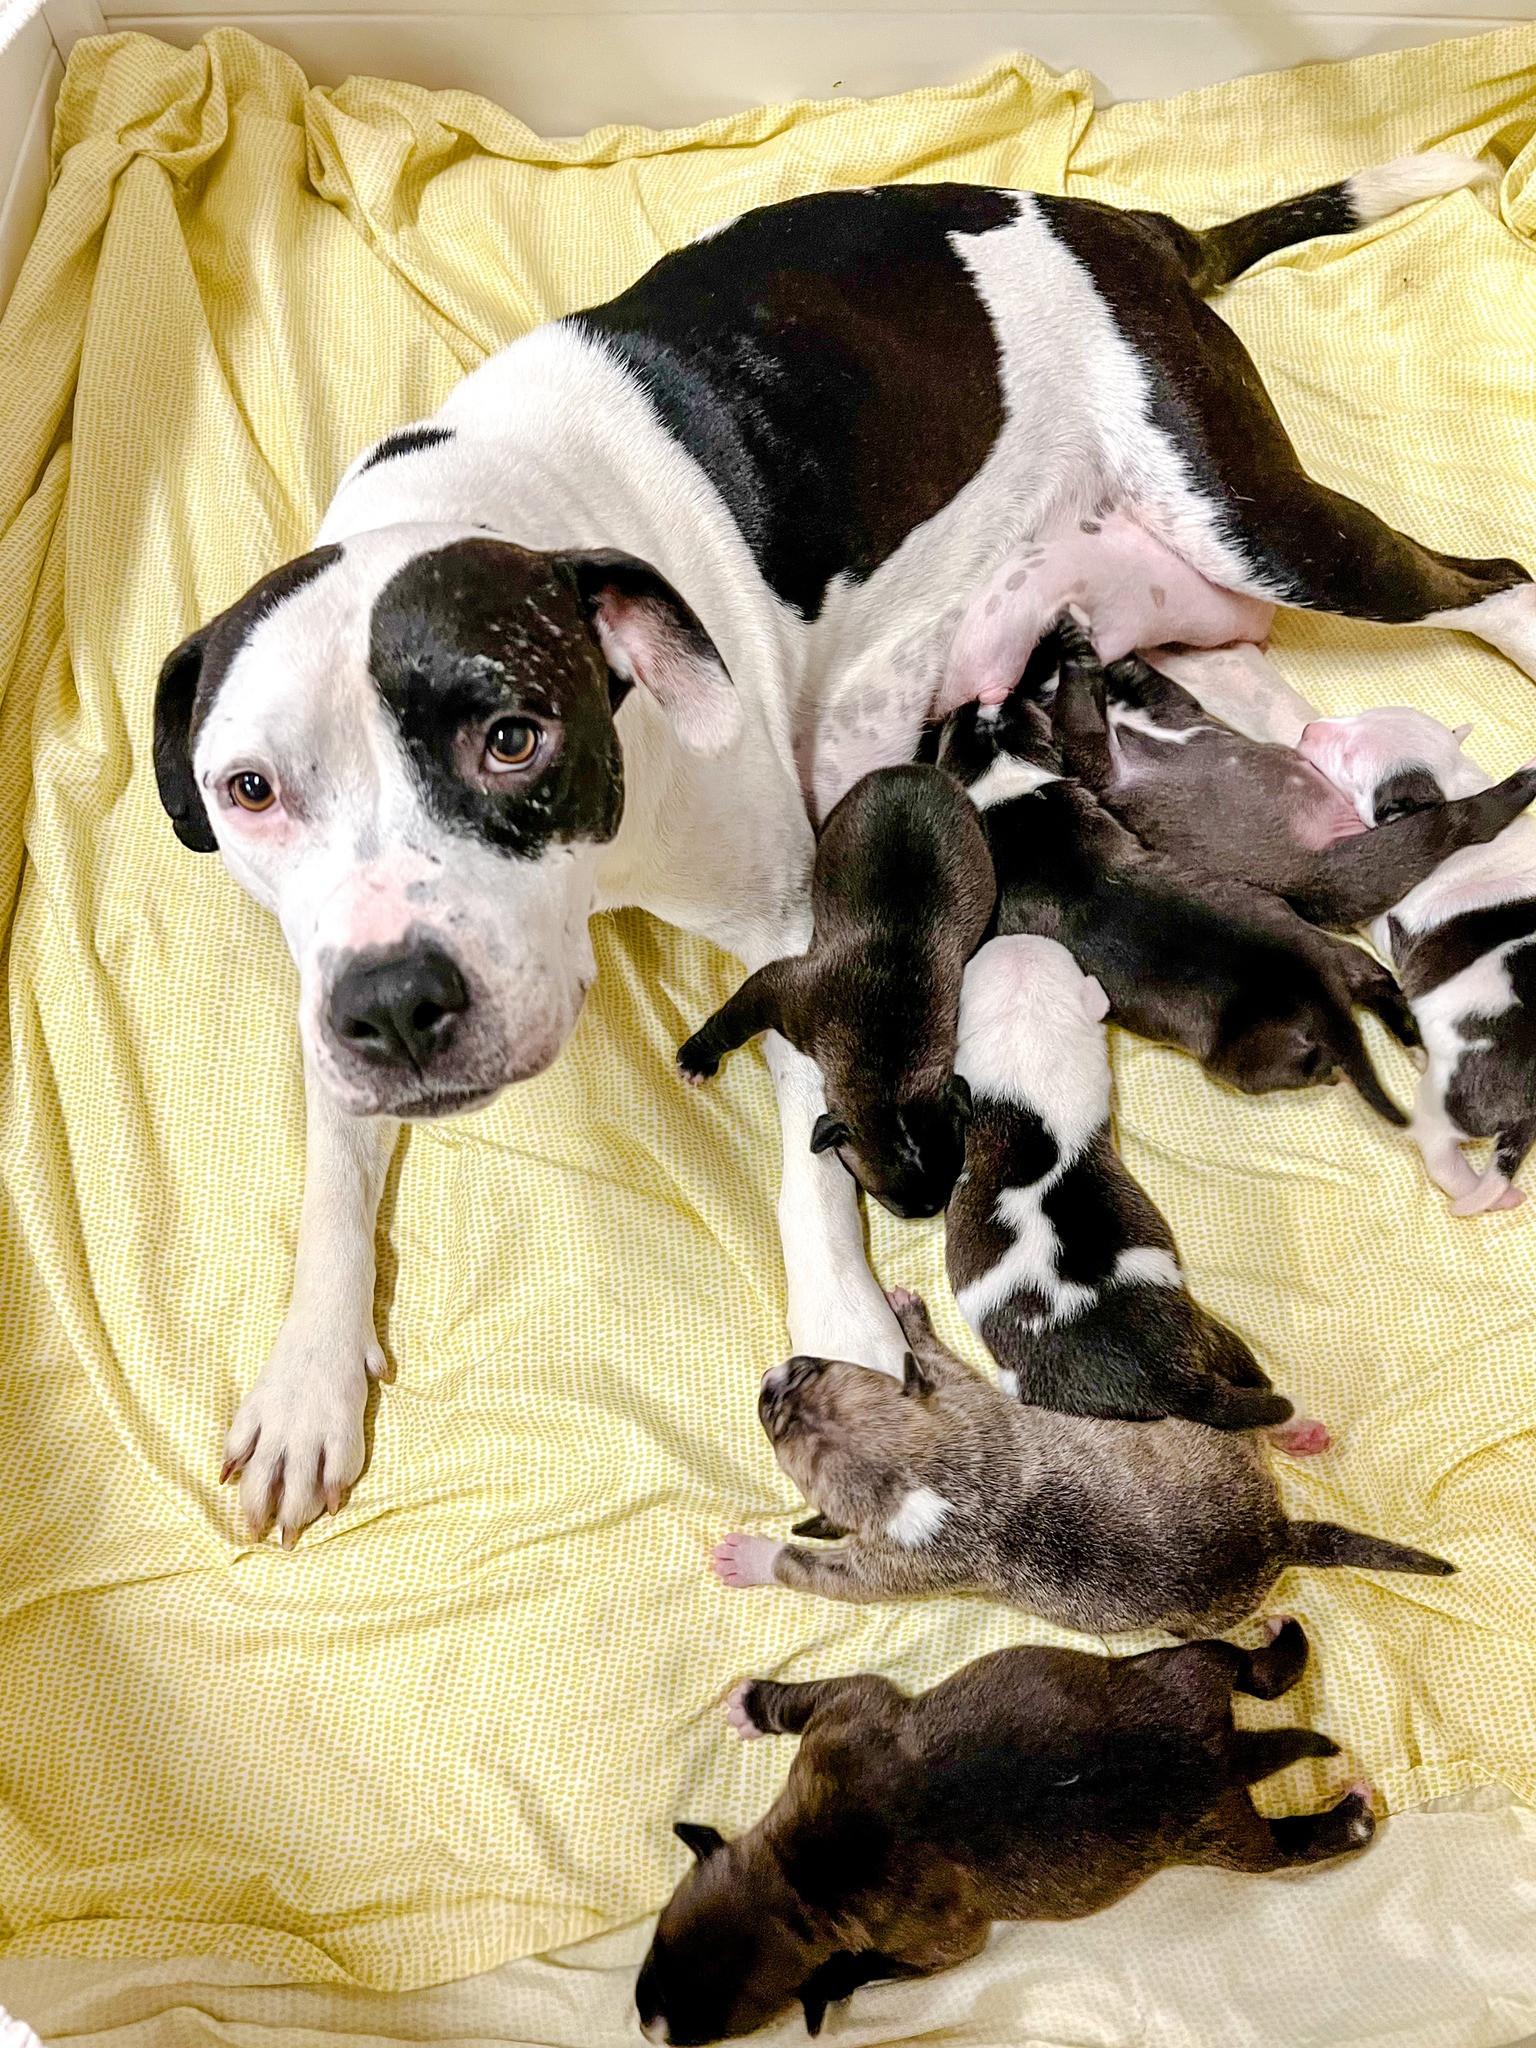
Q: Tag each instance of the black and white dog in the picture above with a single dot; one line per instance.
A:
(657, 584)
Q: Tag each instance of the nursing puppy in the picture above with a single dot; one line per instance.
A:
(1200, 961)
(1033, 1785)
(943, 1484)
(901, 893)
(1059, 1260)
(1464, 943)
(1206, 794)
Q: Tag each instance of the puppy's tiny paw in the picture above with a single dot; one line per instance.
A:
(901, 1298)
(743, 1560)
(1275, 1623)
(695, 1065)
(1361, 1824)
(736, 1711)
(1302, 1437)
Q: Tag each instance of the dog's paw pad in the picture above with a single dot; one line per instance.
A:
(1302, 1437)
(744, 1560)
(736, 1712)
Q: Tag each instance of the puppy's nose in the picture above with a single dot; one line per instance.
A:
(776, 1379)
(399, 1010)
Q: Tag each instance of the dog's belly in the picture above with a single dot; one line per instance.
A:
(1130, 588)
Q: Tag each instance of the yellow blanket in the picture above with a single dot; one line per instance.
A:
(455, 1725)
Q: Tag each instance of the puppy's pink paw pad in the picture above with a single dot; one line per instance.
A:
(743, 1560)
(1275, 1623)
(736, 1712)
(1302, 1437)
(902, 1297)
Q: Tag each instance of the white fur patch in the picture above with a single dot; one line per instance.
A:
(918, 1519)
(1006, 778)
(1027, 1037)
(1148, 1265)
(1387, 187)
(1131, 718)
(1028, 1264)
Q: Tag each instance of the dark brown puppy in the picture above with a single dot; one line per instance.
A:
(941, 1483)
(1202, 961)
(1033, 1785)
(1193, 788)
(901, 893)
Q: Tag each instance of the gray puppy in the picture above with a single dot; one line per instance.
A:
(942, 1484)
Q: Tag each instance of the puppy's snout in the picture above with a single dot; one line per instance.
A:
(399, 1009)
(776, 1379)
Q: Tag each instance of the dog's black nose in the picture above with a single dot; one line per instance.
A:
(399, 1009)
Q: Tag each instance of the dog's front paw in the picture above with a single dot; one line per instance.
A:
(696, 1063)
(297, 1442)
(743, 1560)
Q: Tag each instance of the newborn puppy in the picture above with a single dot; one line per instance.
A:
(1196, 789)
(1464, 943)
(1033, 1785)
(1060, 1262)
(943, 1484)
(1204, 962)
(901, 893)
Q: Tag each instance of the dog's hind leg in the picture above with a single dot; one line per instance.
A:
(1236, 1836)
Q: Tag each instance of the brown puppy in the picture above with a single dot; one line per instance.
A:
(1190, 786)
(1203, 961)
(1033, 1785)
(943, 1484)
(901, 893)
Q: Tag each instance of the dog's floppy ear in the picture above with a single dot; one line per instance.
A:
(960, 1096)
(175, 694)
(698, 1836)
(828, 1132)
(651, 637)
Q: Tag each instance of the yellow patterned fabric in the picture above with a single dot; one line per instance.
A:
(455, 1725)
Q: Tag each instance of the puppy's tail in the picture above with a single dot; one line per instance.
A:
(1326, 1543)
(1215, 257)
(1356, 1062)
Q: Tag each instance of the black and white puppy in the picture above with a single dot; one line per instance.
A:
(1200, 961)
(1212, 798)
(901, 893)
(1060, 1261)
(1464, 943)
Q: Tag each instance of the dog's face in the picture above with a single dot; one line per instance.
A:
(726, 1957)
(850, 1438)
(404, 746)
(906, 1154)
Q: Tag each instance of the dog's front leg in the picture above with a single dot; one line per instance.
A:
(297, 1442)
(836, 1308)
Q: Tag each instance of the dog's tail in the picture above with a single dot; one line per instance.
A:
(1355, 1062)
(1326, 1543)
(1218, 255)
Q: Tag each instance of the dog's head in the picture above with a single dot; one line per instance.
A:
(1391, 760)
(853, 1441)
(906, 1152)
(732, 1948)
(404, 746)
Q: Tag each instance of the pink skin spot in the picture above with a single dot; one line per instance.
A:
(1358, 1789)
(743, 1560)
(738, 1717)
(1275, 1623)
(1301, 1437)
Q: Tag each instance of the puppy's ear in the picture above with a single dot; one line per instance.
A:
(1095, 1002)
(828, 1132)
(960, 1097)
(175, 695)
(913, 1378)
(1461, 733)
(702, 1839)
(651, 637)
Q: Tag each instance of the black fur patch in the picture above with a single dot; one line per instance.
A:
(1411, 789)
(481, 628)
(830, 365)
(406, 441)
(1493, 1089)
(1427, 960)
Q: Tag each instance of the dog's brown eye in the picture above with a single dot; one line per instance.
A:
(512, 742)
(252, 792)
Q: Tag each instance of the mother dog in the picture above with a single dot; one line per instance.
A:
(653, 588)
